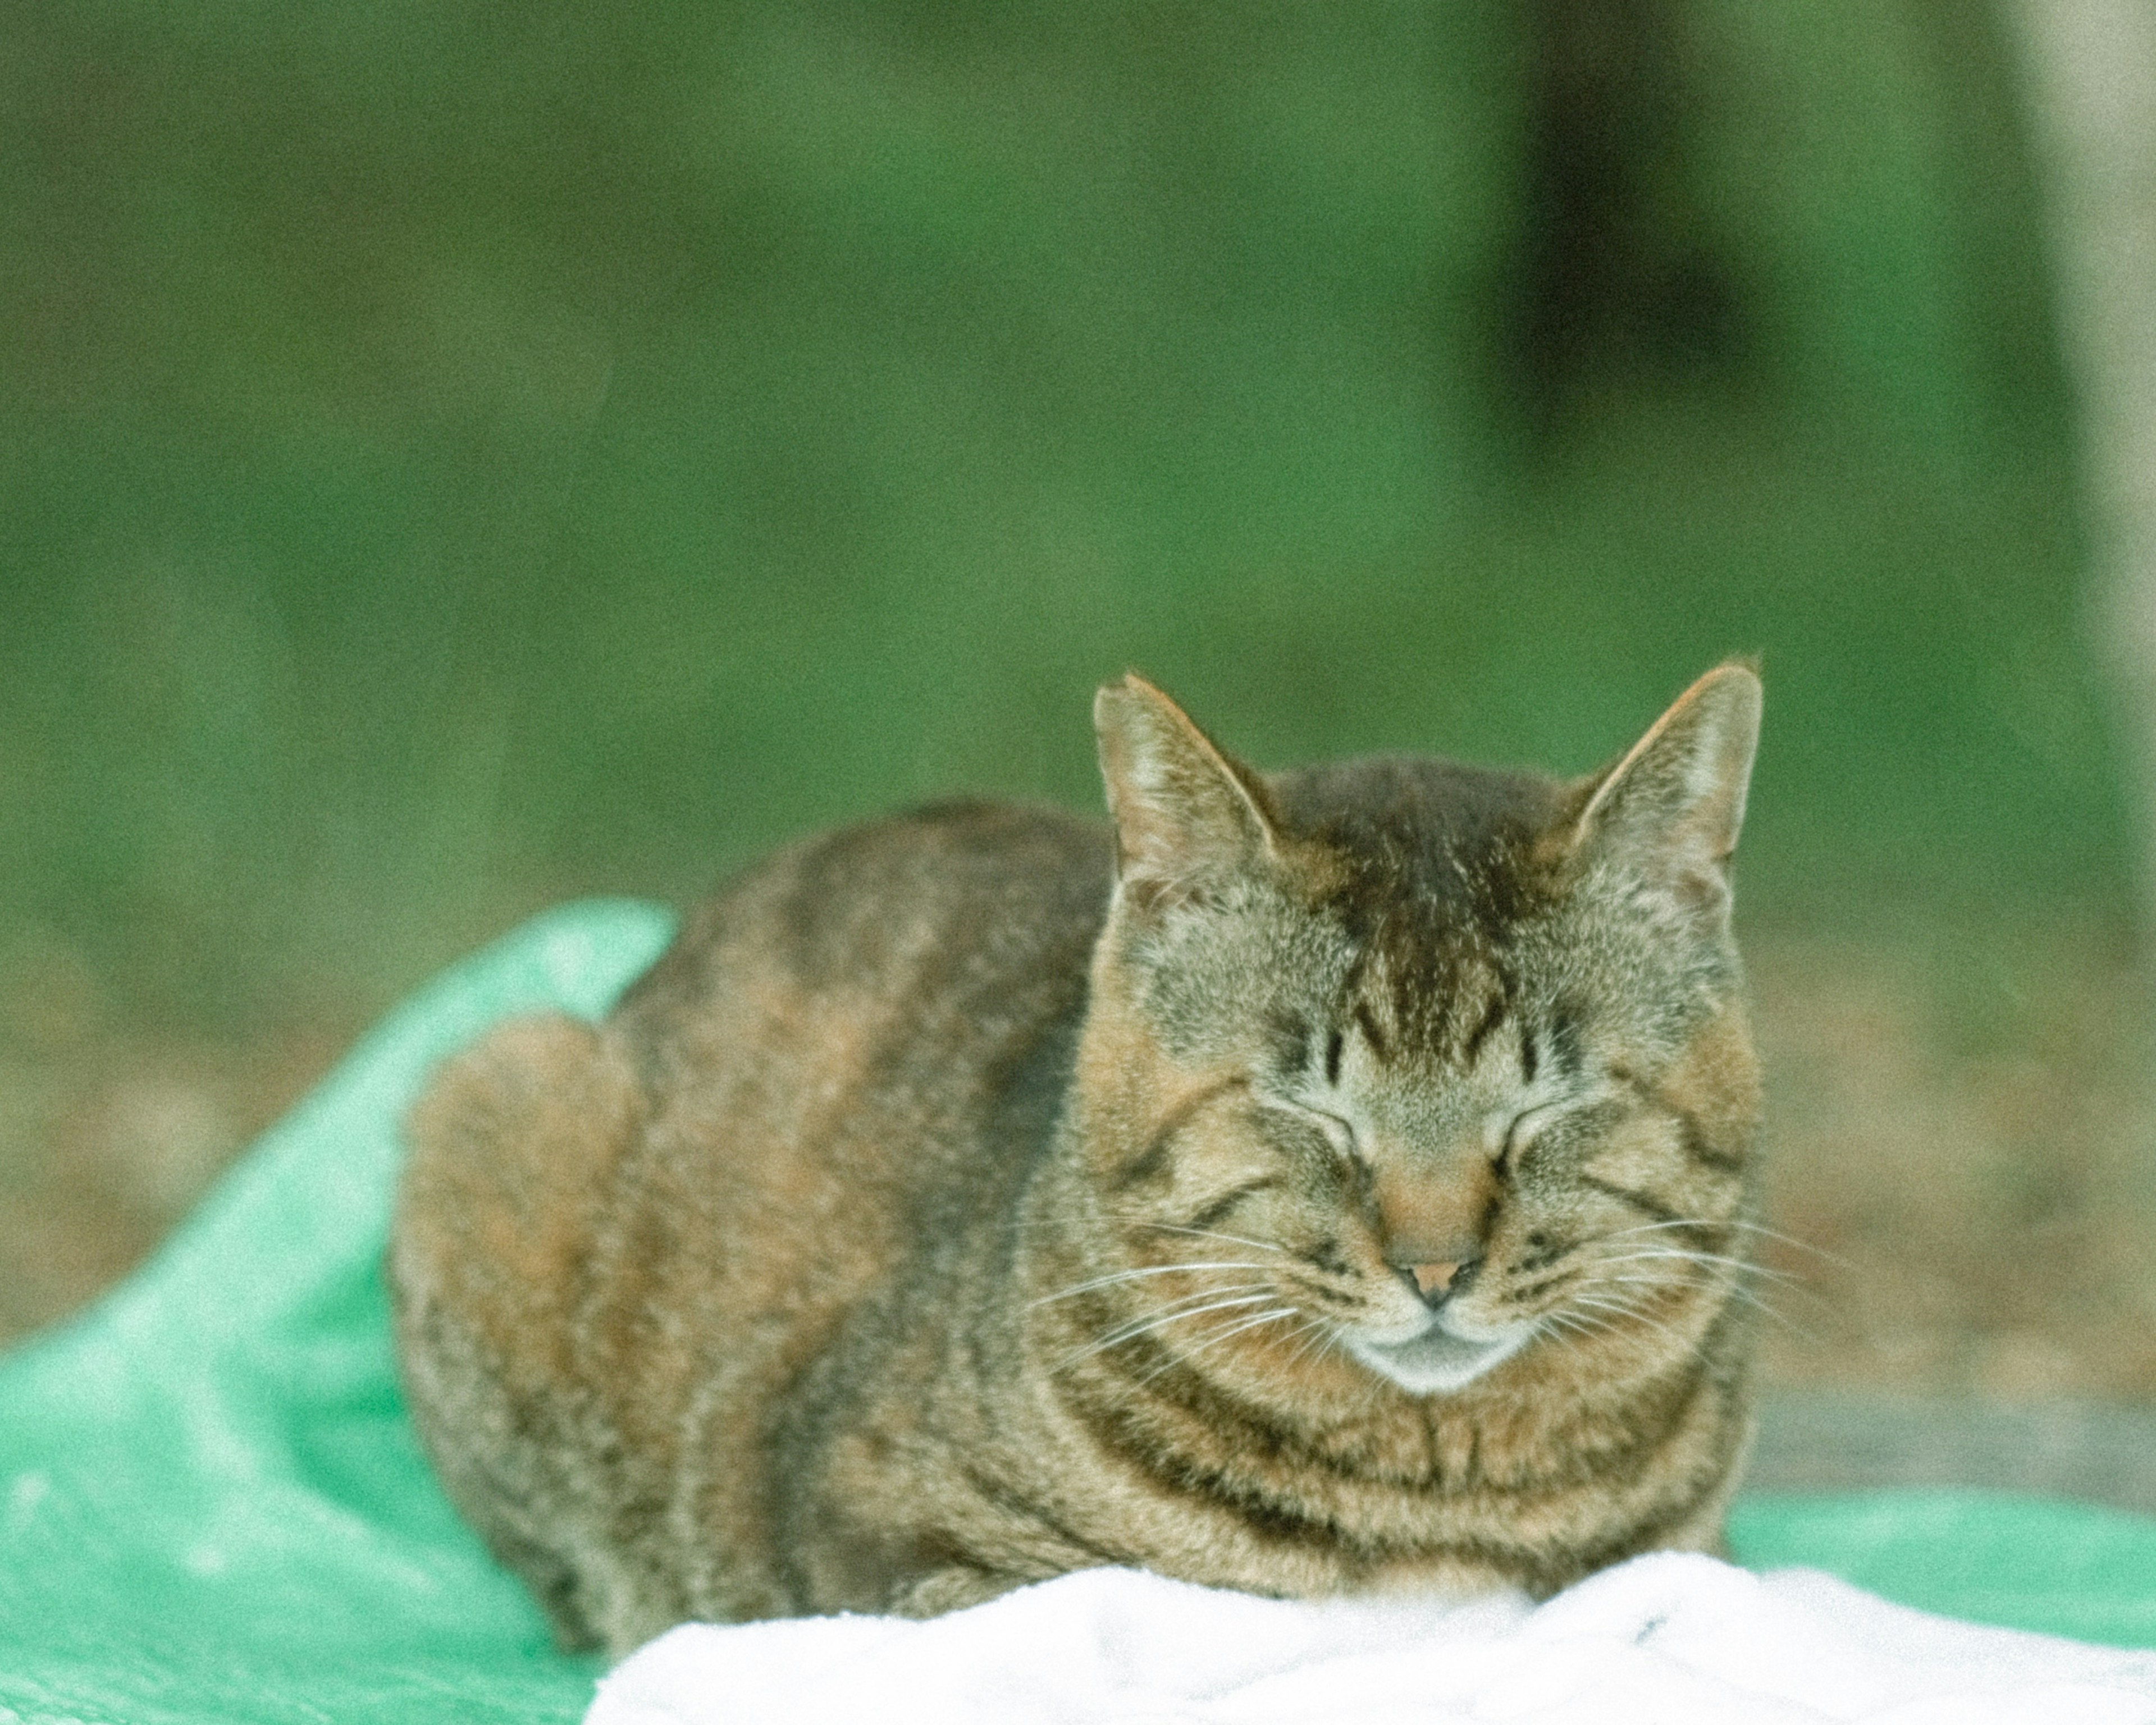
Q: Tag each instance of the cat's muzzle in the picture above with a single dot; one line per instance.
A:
(1439, 1356)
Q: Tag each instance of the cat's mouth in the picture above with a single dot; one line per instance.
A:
(1437, 1359)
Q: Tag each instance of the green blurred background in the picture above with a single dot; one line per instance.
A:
(456, 455)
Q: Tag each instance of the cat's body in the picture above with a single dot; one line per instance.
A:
(1329, 1183)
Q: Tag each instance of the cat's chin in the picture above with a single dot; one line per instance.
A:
(1437, 1360)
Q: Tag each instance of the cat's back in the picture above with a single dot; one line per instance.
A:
(858, 1018)
(873, 1023)
(877, 955)
(610, 1236)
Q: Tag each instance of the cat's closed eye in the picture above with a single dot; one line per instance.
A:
(1519, 1133)
(1338, 1132)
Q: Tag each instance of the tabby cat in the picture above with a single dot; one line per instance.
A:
(1329, 1181)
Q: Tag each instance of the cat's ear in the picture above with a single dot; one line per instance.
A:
(1668, 814)
(1189, 818)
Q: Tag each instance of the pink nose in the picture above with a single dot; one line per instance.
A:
(1432, 1278)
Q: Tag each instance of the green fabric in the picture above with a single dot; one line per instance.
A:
(212, 1507)
(1993, 1557)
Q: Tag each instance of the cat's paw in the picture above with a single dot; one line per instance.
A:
(953, 1589)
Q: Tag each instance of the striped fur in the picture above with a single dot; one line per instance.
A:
(1333, 1181)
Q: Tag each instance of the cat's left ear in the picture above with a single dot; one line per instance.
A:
(1189, 819)
(1668, 814)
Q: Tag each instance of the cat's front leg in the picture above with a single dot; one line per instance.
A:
(951, 1589)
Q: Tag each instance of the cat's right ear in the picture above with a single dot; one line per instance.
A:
(1668, 814)
(1189, 817)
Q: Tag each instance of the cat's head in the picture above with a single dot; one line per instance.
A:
(1420, 1064)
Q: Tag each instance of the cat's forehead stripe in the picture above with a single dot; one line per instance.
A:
(1366, 1021)
(1290, 1034)
(1492, 1016)
(1564, 1038)
(1441, 995)
(1441, 868)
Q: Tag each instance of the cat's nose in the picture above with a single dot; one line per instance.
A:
(1433, 1283)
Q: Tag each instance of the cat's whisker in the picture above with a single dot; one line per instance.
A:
(1263, 1245)
(1218, 1337)
(1741, 1264)
(1753, 1298)
(1552, 1323)
(1701, 1224)
(1695, 1257)
(1584, 1329)
(1604, 1290)
(1540, 1289)
(1739, 1285)
(1568, 1312)
(1248, 1323)
(1130, 1275)
(1330, 1296)
(1626, 1306)
(1573, 1326)
(1803, 1246)
(1219, 1329)
(1317, 1335)
(1157, 1320)
(1767, 1310)
(1757, 1228)
(1200, 1301)
(1661, 1325)
(1584, 1326)
(1803, 1331)
(1738, 1290)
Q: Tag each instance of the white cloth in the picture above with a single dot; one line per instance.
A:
(1664, 1639)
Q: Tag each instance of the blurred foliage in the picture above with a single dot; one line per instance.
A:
(452, 453)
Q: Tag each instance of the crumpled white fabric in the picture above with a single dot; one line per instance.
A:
(1665, 1639)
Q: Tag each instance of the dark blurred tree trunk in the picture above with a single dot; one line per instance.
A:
(1621, 278)
(2090, 75)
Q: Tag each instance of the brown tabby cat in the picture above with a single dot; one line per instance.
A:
(1331, 1181)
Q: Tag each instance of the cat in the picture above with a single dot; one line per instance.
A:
(1326, 1182)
